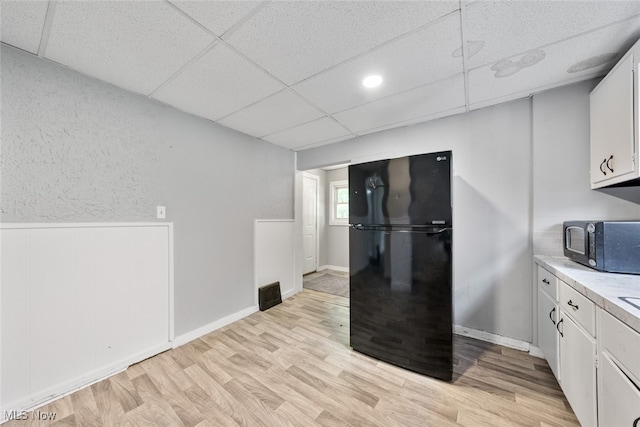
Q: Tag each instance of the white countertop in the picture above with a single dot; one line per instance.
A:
(606, 290)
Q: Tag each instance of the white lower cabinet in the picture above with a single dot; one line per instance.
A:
(594, 356)
(618, 397)
(547, 333)
(578, 351)
(577, 364)
(618, 373)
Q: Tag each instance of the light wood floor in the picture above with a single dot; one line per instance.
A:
(292, 366)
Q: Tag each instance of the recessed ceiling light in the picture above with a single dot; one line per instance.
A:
(372, 81)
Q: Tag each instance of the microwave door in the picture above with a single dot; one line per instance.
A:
(575, 240)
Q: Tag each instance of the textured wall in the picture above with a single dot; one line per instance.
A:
(76, 149)
(69, 151)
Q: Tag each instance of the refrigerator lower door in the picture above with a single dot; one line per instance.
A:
(401, 298)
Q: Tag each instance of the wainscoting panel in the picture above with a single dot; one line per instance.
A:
(80, 301)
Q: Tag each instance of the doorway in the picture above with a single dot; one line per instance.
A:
(330, 272)
(310, 222)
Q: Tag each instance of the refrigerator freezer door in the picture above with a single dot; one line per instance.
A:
(413, 190)
(400, 284)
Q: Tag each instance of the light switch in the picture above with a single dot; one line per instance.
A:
(161, 212)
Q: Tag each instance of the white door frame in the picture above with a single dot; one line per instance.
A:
(316, 178)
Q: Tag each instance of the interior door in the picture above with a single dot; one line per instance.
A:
(310, 223)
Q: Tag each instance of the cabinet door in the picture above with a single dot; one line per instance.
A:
(577, 366)
(612, 123)
(547, 334)
(619, 399)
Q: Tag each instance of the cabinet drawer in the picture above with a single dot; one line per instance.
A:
(621, 341)
(579, 307)
(548, 283)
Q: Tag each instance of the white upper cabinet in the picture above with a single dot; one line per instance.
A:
(614, 124)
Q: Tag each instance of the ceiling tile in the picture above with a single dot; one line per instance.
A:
(424, 101)
(217, 84)
(320, 130)
(510, 28)
(135, 45)
(277, 112)
(217, 16)
(326, 142)
(296, 39)
(587, 56)
(421, 119)
(22, 23)
(422, 57)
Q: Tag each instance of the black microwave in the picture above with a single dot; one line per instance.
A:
(612, 246)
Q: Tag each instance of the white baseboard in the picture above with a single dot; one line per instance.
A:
(85, 380)
(204, 330)
(333, 267)
(497, 339)
(290, 293)
(536, 352)
(31, 405)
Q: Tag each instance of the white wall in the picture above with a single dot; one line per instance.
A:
(492, 211)
(561, 189)
(337, 235)
(520, 170)
(77, 149)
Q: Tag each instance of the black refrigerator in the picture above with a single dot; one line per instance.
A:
(400, 239)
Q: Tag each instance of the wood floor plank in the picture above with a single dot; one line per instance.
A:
(292, 416)
(276, 379)
(85, 409)
(268, 398)
(146, 388)
(107, 402)
(221, 398)
(359, 402)
(410, 413)
(154, 412)
(126, 392)
(292, 366)
(212, 415)
(257, 408)
(61, 407)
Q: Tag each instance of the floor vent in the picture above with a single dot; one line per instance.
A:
(269, 295)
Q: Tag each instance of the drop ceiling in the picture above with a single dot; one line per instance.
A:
(290, 72)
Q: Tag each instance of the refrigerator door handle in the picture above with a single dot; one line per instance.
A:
(400, 228)
(438, 231)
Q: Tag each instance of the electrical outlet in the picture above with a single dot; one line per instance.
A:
(161, 212)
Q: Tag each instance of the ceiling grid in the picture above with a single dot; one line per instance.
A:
(290, 72)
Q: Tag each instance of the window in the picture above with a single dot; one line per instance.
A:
(339, 203)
